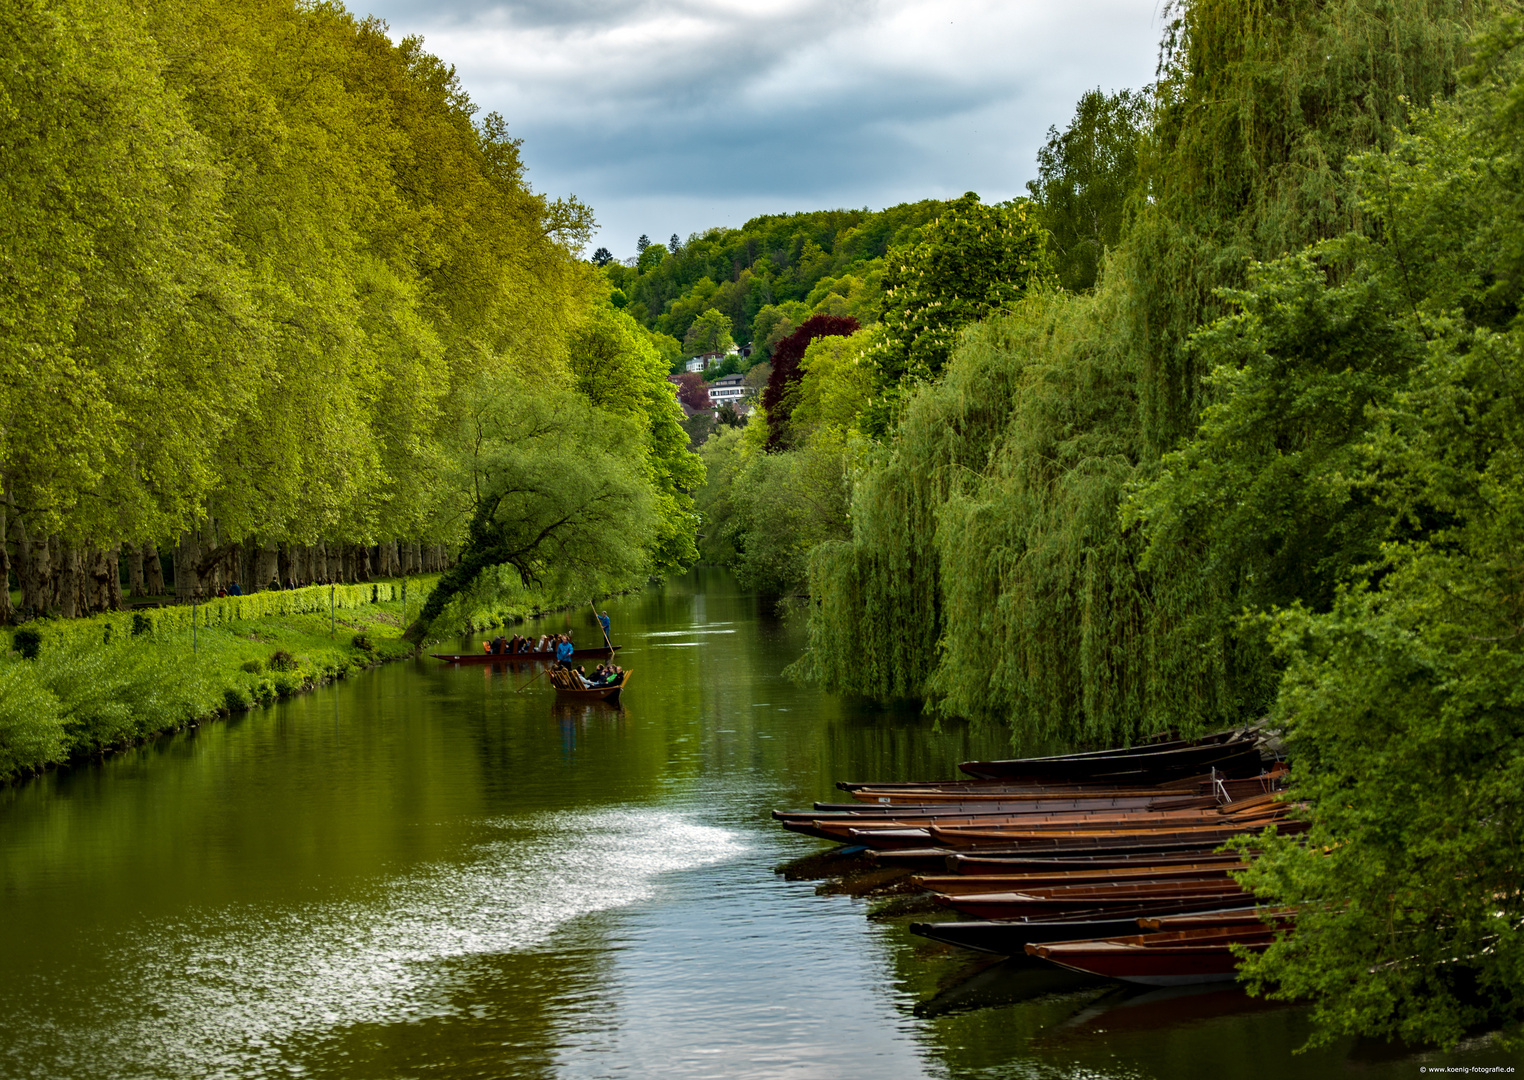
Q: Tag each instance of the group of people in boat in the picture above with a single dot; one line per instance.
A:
(559, 644)
(506, 646)
(603, 675)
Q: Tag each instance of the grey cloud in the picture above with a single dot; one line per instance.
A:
(704, 114)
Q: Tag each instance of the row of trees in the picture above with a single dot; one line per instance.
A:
(1261, 455)
(264, 273)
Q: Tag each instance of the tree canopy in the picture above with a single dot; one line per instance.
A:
(257, 257)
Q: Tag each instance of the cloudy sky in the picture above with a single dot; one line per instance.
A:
(677, 115)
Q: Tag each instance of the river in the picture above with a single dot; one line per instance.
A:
(422, 872)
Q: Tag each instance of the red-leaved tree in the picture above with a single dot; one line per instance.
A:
(778, 398)
(692, 391)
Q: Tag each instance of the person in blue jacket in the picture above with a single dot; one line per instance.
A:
(603, 621)
(564, 650)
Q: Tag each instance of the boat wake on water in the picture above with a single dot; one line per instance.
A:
(231, 992)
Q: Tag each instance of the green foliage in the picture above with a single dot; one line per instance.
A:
(31, 727)
(835, 386)
(575, 521)
(1084, 177)
(1257, 109)
(709, 333)
(971, 261)
(1401, 698)
(651, 258)
(621, 371)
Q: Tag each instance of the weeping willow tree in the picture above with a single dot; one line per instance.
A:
(989, 569)
(1258, 106)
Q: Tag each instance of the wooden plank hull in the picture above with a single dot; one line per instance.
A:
(1161, 959)
(596, 693)
(1231, 757)
(1010, 937)
(968, 884)
(1037, 903)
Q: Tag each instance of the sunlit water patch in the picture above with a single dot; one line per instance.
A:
(226, 993)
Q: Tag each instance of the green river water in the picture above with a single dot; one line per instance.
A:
(421, 873)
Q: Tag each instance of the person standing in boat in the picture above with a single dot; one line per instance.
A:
(564, 650)
(603, 621)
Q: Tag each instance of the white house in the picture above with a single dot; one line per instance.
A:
(729, 388)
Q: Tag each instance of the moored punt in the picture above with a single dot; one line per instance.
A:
(1039, 902)
(1012, 804)
(1220, 920)
(519, 658)
(1018, 864)
(928, 857)
(1179, 958)
(836, 824)
(965, 884)
(594, 693)
(1035, 840)
(1010, 937)
(839, 826)
(1231, 757)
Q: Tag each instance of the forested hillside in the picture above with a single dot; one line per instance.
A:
(766, 277)
(278, 300)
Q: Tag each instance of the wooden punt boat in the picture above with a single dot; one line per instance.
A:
(1179, 958)
(521, 658)
(1035, 840)
(1232, 757)
(1017, 864)
(1010, 937)
(595, 693)
(927, 857)
(966, 884)
(1011, 804)
(867, 791)
(1220, 920)
(838, 826)
(1036, 903)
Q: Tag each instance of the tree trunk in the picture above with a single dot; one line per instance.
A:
(266, 568)
(187, 559)
(32, 569)
(7, 616)
(114, 583)
(153, 570)
(68, 583)
(95, 586)
(134, 571)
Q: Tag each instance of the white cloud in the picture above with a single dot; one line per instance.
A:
(675, 115)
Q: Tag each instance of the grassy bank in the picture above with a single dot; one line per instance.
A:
(77, 688)
(73, 689)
